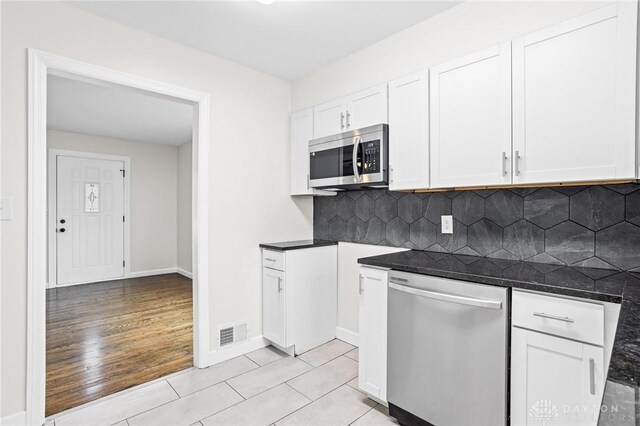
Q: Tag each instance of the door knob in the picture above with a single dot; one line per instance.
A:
(62, 229)
(62, 221)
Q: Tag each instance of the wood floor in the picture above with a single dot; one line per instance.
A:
(106, 337)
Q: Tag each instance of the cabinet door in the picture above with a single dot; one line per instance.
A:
(330, 118)
(471, 120)
(574, 87)
(372, 367)
(409, 122)
(273, 306)
(301, 134)
(367, 108)
(554, 380)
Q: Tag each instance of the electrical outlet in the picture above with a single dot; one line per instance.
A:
(447, 224)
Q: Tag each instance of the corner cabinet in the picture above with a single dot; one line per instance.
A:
(574, 94)
(557, 360)
(470, 120)
(300, 297)
(372, 366)
(365, 108)
(301, 134)
(409, 123)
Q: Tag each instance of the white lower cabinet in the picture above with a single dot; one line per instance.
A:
(300, 297)
(372, 367)
(554, 378)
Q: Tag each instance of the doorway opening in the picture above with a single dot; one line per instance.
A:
(117, 199)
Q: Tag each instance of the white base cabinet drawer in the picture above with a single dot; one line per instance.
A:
(273, 259)
(572, 319)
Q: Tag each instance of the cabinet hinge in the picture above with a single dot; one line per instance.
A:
(123, 172)
(123, 263)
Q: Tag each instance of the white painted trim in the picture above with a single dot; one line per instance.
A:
(15, 419)
(153, 272)
(52, 171)
(238, 349)
(348, 336)
(184, 273)
(40, 64)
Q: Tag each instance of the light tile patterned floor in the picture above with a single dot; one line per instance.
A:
(265, 387)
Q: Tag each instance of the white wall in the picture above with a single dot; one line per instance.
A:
(184, 207)
(458, 31)
(249, 129)
(154, 187)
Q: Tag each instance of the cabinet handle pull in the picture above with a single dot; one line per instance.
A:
(553, 317)
(342, 121)
(504, 163)
(592, 376)
(348, 123)
(517, 161)
(360, 289)
(268, 259)
(279, 285)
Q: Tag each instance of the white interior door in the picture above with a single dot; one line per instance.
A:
(89, 220)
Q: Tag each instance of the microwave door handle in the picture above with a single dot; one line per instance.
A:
(356, 147)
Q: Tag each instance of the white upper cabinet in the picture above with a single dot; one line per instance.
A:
(574, 89)
(409, 129)
(330, 118)
(301, 134)
(365, 108)
(471, 120)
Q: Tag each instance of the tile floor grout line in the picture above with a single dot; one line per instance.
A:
(364, 414)
(295, 411)
(326, 393)
(174, 389)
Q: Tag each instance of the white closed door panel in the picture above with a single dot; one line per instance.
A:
(471, 120)
(367, 108)
(273, 305)
(554, 380)
(329, 118)
(89, 220)
(574, 88)
(409, 123)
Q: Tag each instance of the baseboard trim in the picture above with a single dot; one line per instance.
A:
(15, 419)
(347, 336)
(152, 272)
(184, 273)
(240, 348)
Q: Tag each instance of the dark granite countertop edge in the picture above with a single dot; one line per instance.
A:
(290, 245)
(501, 282)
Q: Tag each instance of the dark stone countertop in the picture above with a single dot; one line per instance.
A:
(297, 245)
(620, 402)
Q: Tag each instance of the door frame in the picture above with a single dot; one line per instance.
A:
(52, 168)
(40, 64)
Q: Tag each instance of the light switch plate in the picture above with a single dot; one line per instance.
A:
(5, 208)
(447, 224)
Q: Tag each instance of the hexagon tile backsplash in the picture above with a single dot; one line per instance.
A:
(594, 226)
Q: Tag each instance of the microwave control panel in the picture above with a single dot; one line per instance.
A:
(371, 157)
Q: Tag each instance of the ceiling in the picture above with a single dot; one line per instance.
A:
(116, 112)
(287, 39)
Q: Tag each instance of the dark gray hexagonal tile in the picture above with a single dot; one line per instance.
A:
(376, 193)
(356, 231)
(397, 232)
(484, 193)
(523, 192)
(633, 208)
(569, 242)
(375, 231)
(346, 208)
(468, 207)
(364, 208)
(504, 207)
(597, 207)
(434, 206)
(546, 208)
(595, 262)
(320, 228)
(410, 208)
(355, 194)
(624, 188)
(523, 239)
(452, 194)
(485, 237)
(422, 233)
(337, 228)
(619, 245)
(395, 194)
(570, 190)
(455, 241)
(325, 207)
(467, 251)
(545, 258)
(386, 208)
(502, 254)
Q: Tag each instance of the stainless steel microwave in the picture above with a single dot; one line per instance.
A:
(350, 160)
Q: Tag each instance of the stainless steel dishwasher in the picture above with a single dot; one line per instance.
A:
(447, 351)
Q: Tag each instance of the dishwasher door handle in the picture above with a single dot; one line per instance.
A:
(462, 300)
